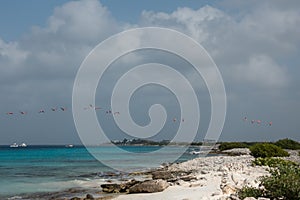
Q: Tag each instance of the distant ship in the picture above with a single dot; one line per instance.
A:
(70, 145)
(23, 145)
(14, 145)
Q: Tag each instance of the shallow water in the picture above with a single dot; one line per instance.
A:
(56, 168)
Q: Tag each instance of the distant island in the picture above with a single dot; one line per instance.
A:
(144, 142)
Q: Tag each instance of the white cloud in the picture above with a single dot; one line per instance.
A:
(273, 26)
(80, 20)
(261, 71)
(262, 37)
(12, 53)
(187, 20)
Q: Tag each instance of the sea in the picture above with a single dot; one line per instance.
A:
(41, 172)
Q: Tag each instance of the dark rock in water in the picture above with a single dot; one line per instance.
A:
(165, 164)
(89, 197)
(118, 188)
(149, 186)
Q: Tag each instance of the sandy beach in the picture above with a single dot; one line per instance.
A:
(217, 177)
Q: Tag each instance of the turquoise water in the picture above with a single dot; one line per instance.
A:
(55, 168)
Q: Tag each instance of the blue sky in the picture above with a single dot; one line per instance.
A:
(255, 45)
(17, 17)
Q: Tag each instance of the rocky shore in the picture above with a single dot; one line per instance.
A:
(216, 178)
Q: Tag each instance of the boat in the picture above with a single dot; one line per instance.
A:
(203, 150)
(14, 145)
(23, 145)
(195, 152)
(69, 145)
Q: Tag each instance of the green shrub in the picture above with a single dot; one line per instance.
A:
(283, 183)
(267, 150)
(288, 144)
(250, 192)
(272, 162)
(231, 145)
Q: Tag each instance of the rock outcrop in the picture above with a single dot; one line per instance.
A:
(150, 186)
(133, 186)
(118, 188)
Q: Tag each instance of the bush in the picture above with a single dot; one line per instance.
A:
(288, 144)
(250, 192)
(267, 150)
(283, 183)
(231, 145)
(272, 162)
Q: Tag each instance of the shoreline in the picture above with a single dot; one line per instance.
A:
(216, 177)
(212, 178)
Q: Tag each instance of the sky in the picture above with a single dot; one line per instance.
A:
(255, 45)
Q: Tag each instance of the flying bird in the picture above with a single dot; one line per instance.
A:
(270, 123)
(42, 111)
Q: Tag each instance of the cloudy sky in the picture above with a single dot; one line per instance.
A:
(255, 44)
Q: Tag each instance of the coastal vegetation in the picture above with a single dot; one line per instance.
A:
(145, 142)
(264, 150)
(231, 145)
(283, 143)
(288, 144)
(283, 182)
(126, 141)
(272, 162)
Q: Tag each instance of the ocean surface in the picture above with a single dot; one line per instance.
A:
(47, 169)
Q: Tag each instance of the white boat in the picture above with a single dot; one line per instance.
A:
(195, 152)
(23, 145)
(14, 145)
(69, 145)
